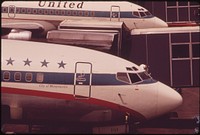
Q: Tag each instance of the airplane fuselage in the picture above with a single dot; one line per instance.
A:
(134, 16)
(76, 84)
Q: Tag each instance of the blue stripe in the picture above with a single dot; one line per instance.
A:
(61, 12)
(65, 78)
(68, 78)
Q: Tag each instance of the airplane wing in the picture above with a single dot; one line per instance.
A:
(42, 26)
(22, 25)
(94, 34)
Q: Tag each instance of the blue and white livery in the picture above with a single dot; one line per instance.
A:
(47, 15)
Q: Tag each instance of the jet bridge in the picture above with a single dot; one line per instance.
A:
(99, 35)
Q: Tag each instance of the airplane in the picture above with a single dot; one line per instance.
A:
(60, 83)
(44, 16)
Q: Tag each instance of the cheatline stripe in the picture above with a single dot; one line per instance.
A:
(68, 78)
(90, 100)
(66, 12)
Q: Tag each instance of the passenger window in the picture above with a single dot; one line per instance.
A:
(40, 77)
(17, 76)
(123, 77)
(6, 76)
(29, 77)
(134, 78)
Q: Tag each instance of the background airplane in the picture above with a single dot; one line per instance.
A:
(48, 82)
(44, 16)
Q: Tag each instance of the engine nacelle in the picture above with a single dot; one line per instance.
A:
(19, 34)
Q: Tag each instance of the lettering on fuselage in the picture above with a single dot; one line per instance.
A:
(53, 86)
(61, 4)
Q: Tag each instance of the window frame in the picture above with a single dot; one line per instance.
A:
(135, 81)
(123, 80)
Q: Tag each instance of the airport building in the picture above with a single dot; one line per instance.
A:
(172, 54)
(173, 11)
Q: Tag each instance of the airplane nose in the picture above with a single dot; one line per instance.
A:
(159, 23)
(168, 99)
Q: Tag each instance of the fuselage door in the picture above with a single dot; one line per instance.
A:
(82, 79)
(11, 11)
(115, 13)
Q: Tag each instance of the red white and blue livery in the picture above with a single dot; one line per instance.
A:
(65, 83)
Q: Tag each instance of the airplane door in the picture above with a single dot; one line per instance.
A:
(82, 79)
(11, 11)
(115, 13)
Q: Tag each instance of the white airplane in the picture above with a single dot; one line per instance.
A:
(43, 16)
(43, 81)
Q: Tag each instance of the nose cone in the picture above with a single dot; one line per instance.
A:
(168, 99)
(159, 23)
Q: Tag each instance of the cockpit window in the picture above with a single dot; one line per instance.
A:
(129, 69)
(148, 13)
(135, 68)
(134, 78)
(144, 75)
(142, 14)
(123, 77)
(135, 13)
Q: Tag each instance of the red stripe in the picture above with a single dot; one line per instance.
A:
(71, 97)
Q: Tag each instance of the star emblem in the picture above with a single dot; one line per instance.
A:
(10, 61)
(27, 62)
(44, 63)
(61, 64)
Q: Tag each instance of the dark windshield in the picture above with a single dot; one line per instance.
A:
(134, 77)
(144, 75)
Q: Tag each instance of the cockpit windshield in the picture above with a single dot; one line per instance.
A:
(142, 14)
(138, 77)
(144, 75)
(133, 77)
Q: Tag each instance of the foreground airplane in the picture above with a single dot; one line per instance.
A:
(52, 82)
(43, 16)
